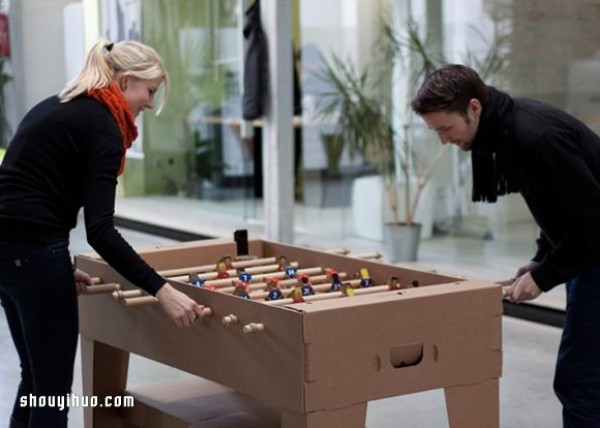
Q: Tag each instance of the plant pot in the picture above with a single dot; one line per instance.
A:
(402, 242)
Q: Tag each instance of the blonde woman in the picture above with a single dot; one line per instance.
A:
(67, 154)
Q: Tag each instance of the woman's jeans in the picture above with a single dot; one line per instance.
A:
(37, 291)
(577, 379)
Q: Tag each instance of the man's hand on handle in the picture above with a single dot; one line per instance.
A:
(523, 287)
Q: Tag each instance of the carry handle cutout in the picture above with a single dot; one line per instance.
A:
(408, 355)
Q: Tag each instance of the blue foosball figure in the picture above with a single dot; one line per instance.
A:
(195, 280)
(306, 286)
(274, 289)
(244, 276)
(365, 278)
(336, 283)
(290, 272)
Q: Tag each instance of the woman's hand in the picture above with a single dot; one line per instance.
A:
(179, 306)
(82, 280)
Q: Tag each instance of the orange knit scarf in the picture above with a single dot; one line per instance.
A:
(112, 97)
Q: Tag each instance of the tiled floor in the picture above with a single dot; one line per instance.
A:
(527, 400)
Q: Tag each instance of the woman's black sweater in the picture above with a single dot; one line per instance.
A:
(65, 156)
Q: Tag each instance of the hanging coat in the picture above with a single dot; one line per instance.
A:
(256, 71)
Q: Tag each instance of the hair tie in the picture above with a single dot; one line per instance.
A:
(109, 46)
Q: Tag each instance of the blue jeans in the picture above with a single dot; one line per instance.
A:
(37, 292)
(577, 378)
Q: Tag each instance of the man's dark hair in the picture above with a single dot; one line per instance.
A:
(449, 89)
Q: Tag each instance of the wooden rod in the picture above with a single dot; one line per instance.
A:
(320, 288)
(125, 294)
(332, 295)
(346, 252)
(102, 288)
(367, 256)
(342, 251)
(228, 282)
(151, 300)
(208, 268)
(506, 287)
(140, 301)
(283, 284)
(213, 276)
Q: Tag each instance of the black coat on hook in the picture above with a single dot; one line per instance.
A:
(256, 60)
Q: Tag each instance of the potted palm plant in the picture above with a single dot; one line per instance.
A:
(367, 122)
(366, 115)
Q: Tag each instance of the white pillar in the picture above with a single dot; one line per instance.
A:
(278, 153)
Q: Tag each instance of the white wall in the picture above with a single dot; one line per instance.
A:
(37, 45)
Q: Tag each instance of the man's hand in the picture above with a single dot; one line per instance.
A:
(82, 280)
(526, 268)
(523, 288)
(179, 306)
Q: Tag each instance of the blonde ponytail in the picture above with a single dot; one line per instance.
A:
(105, 61)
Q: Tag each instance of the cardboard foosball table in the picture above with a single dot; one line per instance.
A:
(317, 362)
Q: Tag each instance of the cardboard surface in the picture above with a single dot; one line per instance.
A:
(199, 403)
(319, 361)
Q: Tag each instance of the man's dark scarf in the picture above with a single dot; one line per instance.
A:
(493, 173)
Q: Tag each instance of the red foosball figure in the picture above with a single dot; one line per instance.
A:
(282, 263)
(228, 262)
(241, 290)
(222, 270)
(394, 283)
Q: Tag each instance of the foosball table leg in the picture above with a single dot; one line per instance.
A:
(353, 416)
(104, 374)
(474, 405)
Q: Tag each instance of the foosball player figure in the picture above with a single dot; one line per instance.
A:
(274, 289)
(365, 278)
(415, 283)
(394, 283)
(296, 294)
(244, 276)
(347, 289)
(228, 262)
(241, 290)
(282, 263)
(307, 289)
(334, 278)
(195, 280)
(290, 272)
(222, 270)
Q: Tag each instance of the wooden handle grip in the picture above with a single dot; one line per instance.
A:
(140, 301)
(125, 294)
(102, 288)
(253, 327)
